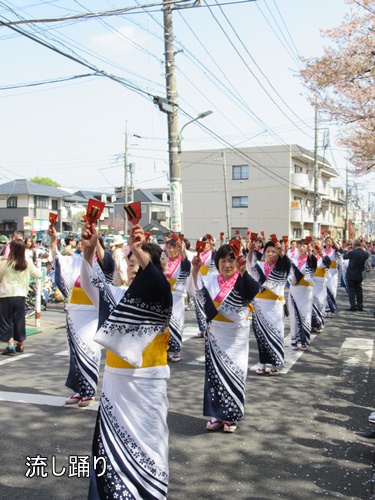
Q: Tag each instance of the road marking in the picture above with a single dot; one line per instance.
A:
(62, 353)
(15, 358)
(189, 332)
(291, 357)
(356, 353)
(40, 399)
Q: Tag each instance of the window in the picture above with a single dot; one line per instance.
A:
(297, 169)
(242, 231)
(240, 201)
(297, 233)
(12, 202)
(54, 205)
(297, 198)
(41, 201)
(240, 172)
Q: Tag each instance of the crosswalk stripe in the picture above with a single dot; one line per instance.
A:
(40, 399)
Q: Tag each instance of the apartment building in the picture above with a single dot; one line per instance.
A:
(269, 188)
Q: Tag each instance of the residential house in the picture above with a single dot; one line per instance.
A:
(25, 206)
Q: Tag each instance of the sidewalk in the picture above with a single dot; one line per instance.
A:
(51, 319)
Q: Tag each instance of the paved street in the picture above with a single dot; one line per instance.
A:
(297, 440)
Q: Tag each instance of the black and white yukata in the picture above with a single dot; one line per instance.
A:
(226, 343)
(131, 433)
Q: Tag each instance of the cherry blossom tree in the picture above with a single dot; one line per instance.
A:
(342, 82)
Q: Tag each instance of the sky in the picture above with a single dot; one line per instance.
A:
(239, 60)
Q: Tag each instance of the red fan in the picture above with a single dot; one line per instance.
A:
(133, 212)
(248, 233)
(262, 233)
(329, 233)
(174, 237)
(253, 236)
(182, 237)
(221, 236)
(209, 237)
(284, 239)
(200, 246)
(308, 239)
(52, 220)
(94, 211)
(322, 232)
(147, 236)
(236, 231)
(235, 247)
(273, 237)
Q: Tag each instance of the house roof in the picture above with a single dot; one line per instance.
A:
(146, 196)
(324, 163)
(23, 186)
(153, 224)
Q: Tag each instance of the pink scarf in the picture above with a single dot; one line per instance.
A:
(328, 251)
(172, 265)
(225, 286)
(204, 256)
(301, 261)
(268, 268)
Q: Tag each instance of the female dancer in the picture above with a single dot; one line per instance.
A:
(225, 298)
(268, 317)
(130, 447)
(177, 271)
(320, 289)
(332, 250)
(81, 323)
(208, 259)
(301, 295)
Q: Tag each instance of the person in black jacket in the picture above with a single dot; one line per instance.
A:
(354, 275)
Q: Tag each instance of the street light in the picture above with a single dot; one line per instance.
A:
(199, 117)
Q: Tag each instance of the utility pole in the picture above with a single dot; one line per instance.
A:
(229, 230)
(126, 154)
(174, 157)
(315, 214)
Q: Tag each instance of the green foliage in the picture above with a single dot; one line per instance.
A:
(45, 180)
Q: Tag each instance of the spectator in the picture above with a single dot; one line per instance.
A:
(15, 274)
(355, 274)
(70, 243)
(17, 235)
(119, 275)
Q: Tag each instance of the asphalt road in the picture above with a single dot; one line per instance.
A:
(297, 440)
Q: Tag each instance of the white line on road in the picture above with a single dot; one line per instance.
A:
(39, 399)
(291, 357)
(14, 358)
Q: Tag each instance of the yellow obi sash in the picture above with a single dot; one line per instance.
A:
(303, 282)
(333, 264)
(221, 317)
(267, 294)
(320, 272)
(172, 282)
(155, 354)
(80, 297)
(204, 270)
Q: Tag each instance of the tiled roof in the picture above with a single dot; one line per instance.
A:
(23, 186)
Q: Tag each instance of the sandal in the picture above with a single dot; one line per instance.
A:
(272, 373)
(73, 400)
(230, 426)
(261, 371)
(214, 424)
(86, 402)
